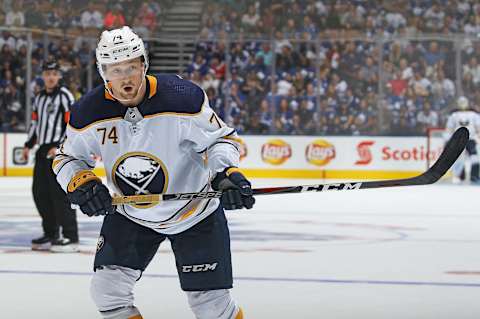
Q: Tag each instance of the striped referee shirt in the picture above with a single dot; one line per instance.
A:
(50, 114)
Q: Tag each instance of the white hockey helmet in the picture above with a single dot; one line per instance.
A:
(462, 103)
(119, 45)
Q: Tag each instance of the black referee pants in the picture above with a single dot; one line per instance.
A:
(50, 199)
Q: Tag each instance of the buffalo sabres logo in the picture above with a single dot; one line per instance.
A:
(140, 173)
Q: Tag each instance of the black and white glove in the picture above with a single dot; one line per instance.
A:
(87, 191)
(237, 190)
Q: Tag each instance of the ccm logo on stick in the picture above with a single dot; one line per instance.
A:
(199, 268)
(327, 187)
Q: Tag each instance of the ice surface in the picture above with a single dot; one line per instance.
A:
(387, 253)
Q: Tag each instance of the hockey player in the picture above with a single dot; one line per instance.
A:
(467, 117)
(155, 134)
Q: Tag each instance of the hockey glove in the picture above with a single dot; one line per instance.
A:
(237, 190)
(86, 190)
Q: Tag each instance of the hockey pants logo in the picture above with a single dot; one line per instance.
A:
(199, 268)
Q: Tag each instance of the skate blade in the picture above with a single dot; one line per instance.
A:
(65, 249)
(41, 247)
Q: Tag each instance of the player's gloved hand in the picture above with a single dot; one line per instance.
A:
(87, 190)
(237, 190)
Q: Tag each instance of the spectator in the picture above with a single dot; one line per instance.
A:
(434, 18)
(369, 72)
(433, 55)
(427, 118)
(395, 20)
(250, 19)
(404, 123)
(298, 128)
(265, 117)
(216, 102)
(236, 104)
(309, 27)
(306, 116)
(253, 90)
(58, 19)
(471, 71)
(344, 120)
(8, 39)
(34, 17)
(91, 17)
(443, 89)
(364, 120)
(420, 84)
(209, 81)
(266, 54)
(284, 120)
(15, 17)
(287, 59)
(196, 77)
(199, 65)
(290, 29)
(253, 126)
(11, 107)
(406, 69)
(217, 67)
(398, 85)
(114, 18)
(147, 17)
(284, 85)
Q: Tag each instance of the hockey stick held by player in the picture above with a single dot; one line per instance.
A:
(454, 147)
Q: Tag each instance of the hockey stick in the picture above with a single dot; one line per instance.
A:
(454, 147)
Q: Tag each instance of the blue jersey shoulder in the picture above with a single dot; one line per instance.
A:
(166, 94)
(93, 107)
(174, 94)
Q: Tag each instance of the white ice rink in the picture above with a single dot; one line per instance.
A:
(404, 253)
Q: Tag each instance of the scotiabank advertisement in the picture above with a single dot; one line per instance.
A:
(294, 153)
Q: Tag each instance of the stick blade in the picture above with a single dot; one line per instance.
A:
(453, 149)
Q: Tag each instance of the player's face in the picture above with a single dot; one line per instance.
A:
(51, 78)
(125, 78)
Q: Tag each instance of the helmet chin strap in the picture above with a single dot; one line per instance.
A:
(109, 90)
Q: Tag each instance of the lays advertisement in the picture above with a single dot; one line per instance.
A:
(320, 152)
(276, 152)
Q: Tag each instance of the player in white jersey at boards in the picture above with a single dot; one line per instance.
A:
(155, 134)
(469, 118)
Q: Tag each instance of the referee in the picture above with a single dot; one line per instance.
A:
(49, 120)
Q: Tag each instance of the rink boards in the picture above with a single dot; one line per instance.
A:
(325, 157)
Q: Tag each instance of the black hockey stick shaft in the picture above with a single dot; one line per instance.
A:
(453, 148)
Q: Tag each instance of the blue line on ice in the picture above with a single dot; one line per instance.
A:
(269, 279)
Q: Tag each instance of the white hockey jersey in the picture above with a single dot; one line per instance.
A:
(172, 142)
(468, 118)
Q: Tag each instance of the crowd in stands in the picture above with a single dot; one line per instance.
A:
(333, 67)
(70, 26)
(320, 67)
